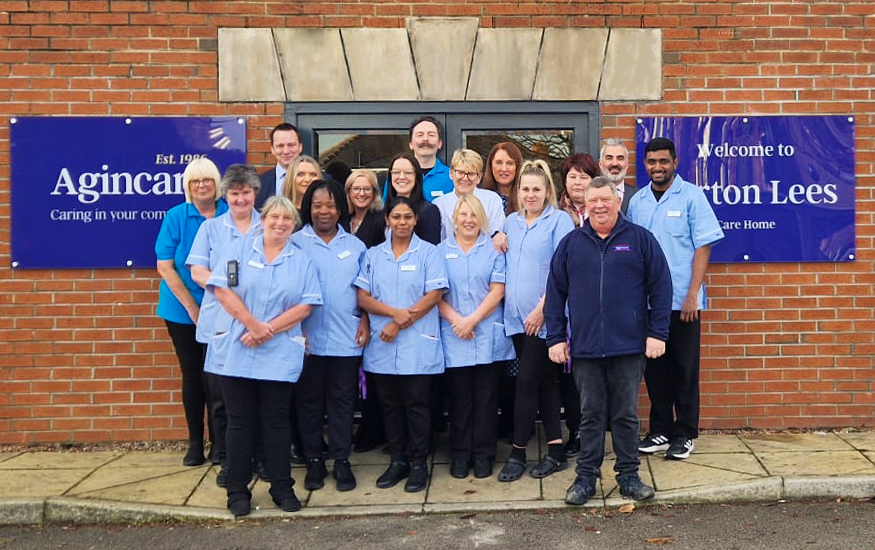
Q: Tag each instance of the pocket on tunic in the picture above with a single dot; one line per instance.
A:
(430, 351)
(502, 345)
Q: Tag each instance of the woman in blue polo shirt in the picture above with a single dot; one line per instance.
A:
(266, 286)
(179, 297)
(336, 334)
(399, 285)
(240, 186)
(533, 233)
(472, 333)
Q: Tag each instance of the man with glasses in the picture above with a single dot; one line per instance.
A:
(466, 173)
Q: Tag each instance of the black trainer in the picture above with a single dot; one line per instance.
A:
(316, 474)
(632, 487)
(572, 448)
(580, 492)
(680, 448)
(418, 479)
(222, 477)
(343, 475)
(289, 503)
(652, 443)
(459, 469)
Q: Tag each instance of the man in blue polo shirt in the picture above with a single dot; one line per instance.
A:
(682, 220)
(425, 142)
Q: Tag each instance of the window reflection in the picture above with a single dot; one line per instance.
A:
(552, 146)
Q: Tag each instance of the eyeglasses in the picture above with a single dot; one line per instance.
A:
(360, 190)
(202, 183)
(461, 174)
(397, 173)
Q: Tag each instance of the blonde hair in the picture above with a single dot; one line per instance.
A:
(289, 185)
(279, 202)
(468, 158)
(476, 207)
(377, 203)
(541, 169)
(201, 168)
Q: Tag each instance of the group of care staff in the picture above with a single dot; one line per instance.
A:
(359, 284)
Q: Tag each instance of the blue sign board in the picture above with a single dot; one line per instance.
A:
(782, 187)
(91, 192)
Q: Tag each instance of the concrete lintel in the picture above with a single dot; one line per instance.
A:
(443, 49)
(248, 66)
(633, 65)
(380, 64)
(505, 64)
(313, 64)
(570, 64)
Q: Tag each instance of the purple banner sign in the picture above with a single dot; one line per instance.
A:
(91, 192)
(782, 187)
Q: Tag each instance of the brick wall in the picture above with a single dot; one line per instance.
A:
(83, 358)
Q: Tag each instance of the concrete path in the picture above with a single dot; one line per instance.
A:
(88, 487)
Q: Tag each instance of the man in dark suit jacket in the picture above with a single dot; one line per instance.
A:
(614, 162)
(285, 146)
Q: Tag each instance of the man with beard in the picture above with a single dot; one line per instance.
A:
(614, 162)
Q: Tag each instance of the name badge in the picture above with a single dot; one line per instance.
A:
(344, 254)
(437, 193)
(300, 340)
(451, 256)
(257, 265)
(674, 214)
(409, 267)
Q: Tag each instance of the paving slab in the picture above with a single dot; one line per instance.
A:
(554, 487)
(365, 494)
(141, 459)
(6, 456)
(447, 489)
(39, 483)
(824, 463)
(795, 442)
(707, 470)
(860, 441)
(207, 494)
(720, 444)
(107, 478)
(58, 461)
(173, 488)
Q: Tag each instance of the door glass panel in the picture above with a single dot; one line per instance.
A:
(551, 146)
(364, 149)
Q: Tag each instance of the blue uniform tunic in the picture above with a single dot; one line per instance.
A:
(469, 275)
(331, 329)
(681, 221)
(180, 225)
(401, 283)
(212, 239)
(529, 251)
(267, 289)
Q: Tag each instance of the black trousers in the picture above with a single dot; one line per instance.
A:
(218, 415)
(327, 384)
(570, 403)
(371, 422)
(473, 404)
(406, 401)
(537, 389)
(250, 404)
(673, 381)
(195, 392)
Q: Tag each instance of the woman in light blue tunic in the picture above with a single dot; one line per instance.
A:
(239, 188)
(336, 334)
(399, 285)
(472, 333)
(266, 286)
(533, 233)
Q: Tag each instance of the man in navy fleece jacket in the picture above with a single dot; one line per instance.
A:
(614, 279)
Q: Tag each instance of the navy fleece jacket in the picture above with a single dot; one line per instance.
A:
(608, 285)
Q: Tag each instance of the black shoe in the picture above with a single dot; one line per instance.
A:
(680, 448)
(240, 507)
(418, 479)
(652, 443)
(482, 468)
(547, 466)
(393, 474)
(296, 457)
(572, 448)
(194, 456)
(316, 474)
(580, 492)
(260, 470)
(632, 487)
(214, 457)
(343, 475)
(222, 477)
(459, 469)
(289, 503)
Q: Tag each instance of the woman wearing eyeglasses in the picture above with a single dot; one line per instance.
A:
(405, 180)
(179, 297)
(467, 171)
